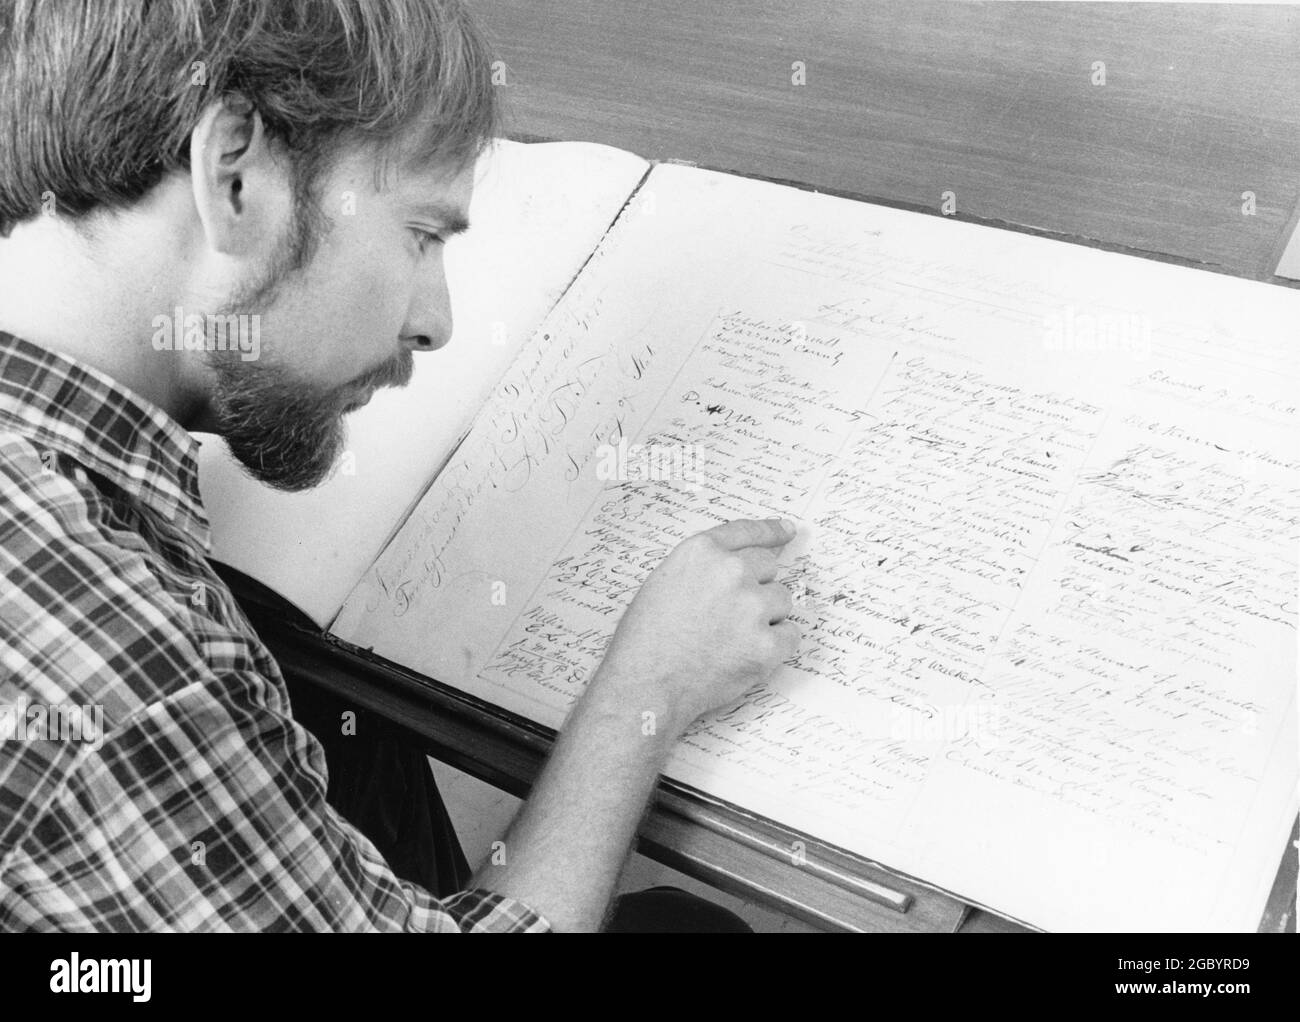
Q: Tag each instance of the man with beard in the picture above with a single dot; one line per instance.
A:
(195, 157)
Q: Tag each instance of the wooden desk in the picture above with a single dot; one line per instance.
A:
(907, 100)
(903, 102)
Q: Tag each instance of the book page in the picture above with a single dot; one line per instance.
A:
(1050, 512)
(537, 213)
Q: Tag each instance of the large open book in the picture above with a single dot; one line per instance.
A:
(1049, 500)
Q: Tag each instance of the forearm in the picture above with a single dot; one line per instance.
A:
(566, 848)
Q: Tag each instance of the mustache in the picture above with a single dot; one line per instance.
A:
(396, 372)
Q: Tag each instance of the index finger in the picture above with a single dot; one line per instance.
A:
(745, 532)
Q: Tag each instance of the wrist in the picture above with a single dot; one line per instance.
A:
(638, 706)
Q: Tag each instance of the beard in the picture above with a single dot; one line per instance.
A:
(285, 431)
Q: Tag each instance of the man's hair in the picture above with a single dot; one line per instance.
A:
(98, 98)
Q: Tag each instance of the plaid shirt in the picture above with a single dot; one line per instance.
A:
(201, 806)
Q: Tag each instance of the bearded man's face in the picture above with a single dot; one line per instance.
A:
(355, 287)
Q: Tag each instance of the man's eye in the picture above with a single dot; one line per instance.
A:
(426, 238)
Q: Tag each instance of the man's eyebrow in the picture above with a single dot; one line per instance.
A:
(452, 219)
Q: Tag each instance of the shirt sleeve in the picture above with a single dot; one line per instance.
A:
(206, 811)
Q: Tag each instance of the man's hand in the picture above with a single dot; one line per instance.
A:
(708, 624)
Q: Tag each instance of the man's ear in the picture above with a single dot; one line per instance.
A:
(243, 193)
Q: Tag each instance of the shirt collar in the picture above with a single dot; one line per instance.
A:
(76, 410)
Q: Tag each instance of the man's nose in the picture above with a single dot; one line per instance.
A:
(428, 322)
(426, 342)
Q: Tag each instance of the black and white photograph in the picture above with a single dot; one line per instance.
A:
(651, 466)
